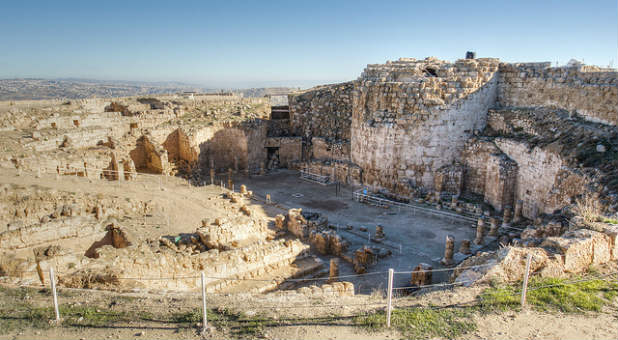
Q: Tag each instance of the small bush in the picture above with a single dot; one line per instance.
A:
(589, 208)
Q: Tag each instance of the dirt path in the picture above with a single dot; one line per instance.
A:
(525, 325)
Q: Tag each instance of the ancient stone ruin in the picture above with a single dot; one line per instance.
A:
(490, 161)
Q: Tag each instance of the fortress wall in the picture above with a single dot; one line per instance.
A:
(324, 111)
(593, 95)
(400, 149)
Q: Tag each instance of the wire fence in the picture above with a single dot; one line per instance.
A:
(391, 290)
(393, 295)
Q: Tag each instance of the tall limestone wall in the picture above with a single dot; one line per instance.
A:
(225, 145)
(544, 157)
(589, 91)
(412, 117)
(323, 111)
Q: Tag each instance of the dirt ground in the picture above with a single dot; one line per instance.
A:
(315, 323)
(528, 325)
(412, 237)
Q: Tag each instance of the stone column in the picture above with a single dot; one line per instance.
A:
(212, 176)
(449, 248)
(333, 271)
(380, 232)
(421, 276)
(480, 230)
(212, 163)
(517, 215)
(454, 202)
(506, 217)
(493, 227)
(262, 168)
(464, 248)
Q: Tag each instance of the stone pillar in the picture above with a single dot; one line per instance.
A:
(133, 171)
(380, 232)
(517, 215)
(279, 221)
(421, 276)
(229, 178)
(437, 196)
(464, 248)
(493, 227)
(212, 176)
(506, 217)
(262, 168)
(480, 230)
(333, 272)
(212, 163)
(98, 212)
(449, 248)
(454, 202)
(120, 171)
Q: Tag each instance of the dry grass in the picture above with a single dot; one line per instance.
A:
(589, 208)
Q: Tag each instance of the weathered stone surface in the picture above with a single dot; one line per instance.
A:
(421, 275)
(580, 249)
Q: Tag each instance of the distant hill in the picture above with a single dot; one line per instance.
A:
(29, 89)
(267, 91)
(69, 88)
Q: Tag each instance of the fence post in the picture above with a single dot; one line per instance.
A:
(524, 287)
(52, 280)
(389, 307)
(204, 312)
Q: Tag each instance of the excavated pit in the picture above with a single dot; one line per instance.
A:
(417, 164)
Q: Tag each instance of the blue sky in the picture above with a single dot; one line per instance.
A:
(270, 43)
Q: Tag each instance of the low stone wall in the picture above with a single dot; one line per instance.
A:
(557, 256)
(54, 231)
(143, 261)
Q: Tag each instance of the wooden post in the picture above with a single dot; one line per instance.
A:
(205, 318)
(52, 280)
(389, 307)
(524, 287)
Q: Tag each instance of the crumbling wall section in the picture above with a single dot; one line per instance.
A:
(537, 174)
(230, 144)
(323, 149)
(403, 132)
(323, 111)
(500, 181)
(590, 92)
